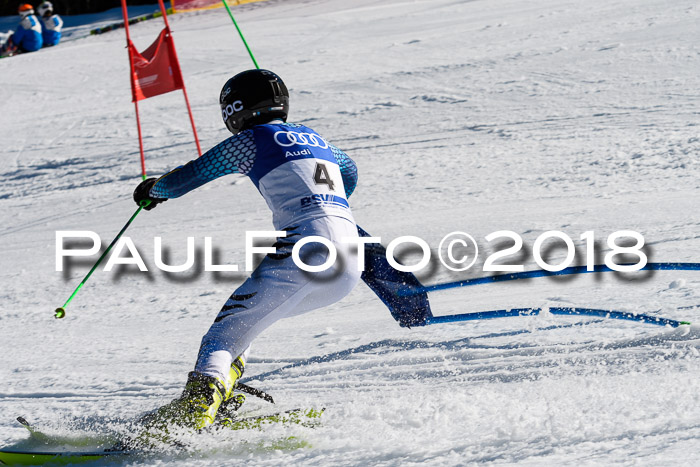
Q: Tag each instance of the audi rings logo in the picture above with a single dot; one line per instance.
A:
(290, 138)
(227, 111)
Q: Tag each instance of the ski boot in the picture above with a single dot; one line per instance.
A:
(233, 402)
(195, 409)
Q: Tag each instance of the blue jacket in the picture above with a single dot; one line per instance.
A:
(28, 34)
(300, 175)
(243, 153)
(51, 30)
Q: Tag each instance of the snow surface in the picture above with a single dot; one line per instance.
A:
(461, 115)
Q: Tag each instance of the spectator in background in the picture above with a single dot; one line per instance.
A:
(27, 37)
(51, 24)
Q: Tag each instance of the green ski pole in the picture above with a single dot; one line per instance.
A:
(240, 34)
(61, 311)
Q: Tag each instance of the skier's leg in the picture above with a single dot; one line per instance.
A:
(279, 289)
(276, 289)
(8, 49)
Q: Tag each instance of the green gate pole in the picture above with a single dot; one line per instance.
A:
(240, 34)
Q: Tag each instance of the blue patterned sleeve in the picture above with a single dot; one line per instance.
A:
(233, 155)
(348, 170)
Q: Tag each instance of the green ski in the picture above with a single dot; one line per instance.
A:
(12, 456)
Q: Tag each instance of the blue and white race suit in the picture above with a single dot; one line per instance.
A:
(51, 30)
(306, 183)
(28, 34)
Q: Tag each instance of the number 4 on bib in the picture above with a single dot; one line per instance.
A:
(322, 177)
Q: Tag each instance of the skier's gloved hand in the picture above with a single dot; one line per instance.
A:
(142, 193)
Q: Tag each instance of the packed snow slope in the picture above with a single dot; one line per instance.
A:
(476, 116)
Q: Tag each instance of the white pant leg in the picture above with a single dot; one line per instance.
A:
(279, 289)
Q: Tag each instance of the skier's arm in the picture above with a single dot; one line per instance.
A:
(348, 170)
(225, 158)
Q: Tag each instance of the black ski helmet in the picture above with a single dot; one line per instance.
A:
(253, 97)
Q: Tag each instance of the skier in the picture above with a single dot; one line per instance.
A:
(27, 37)
(51, 24)
(306, 182)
